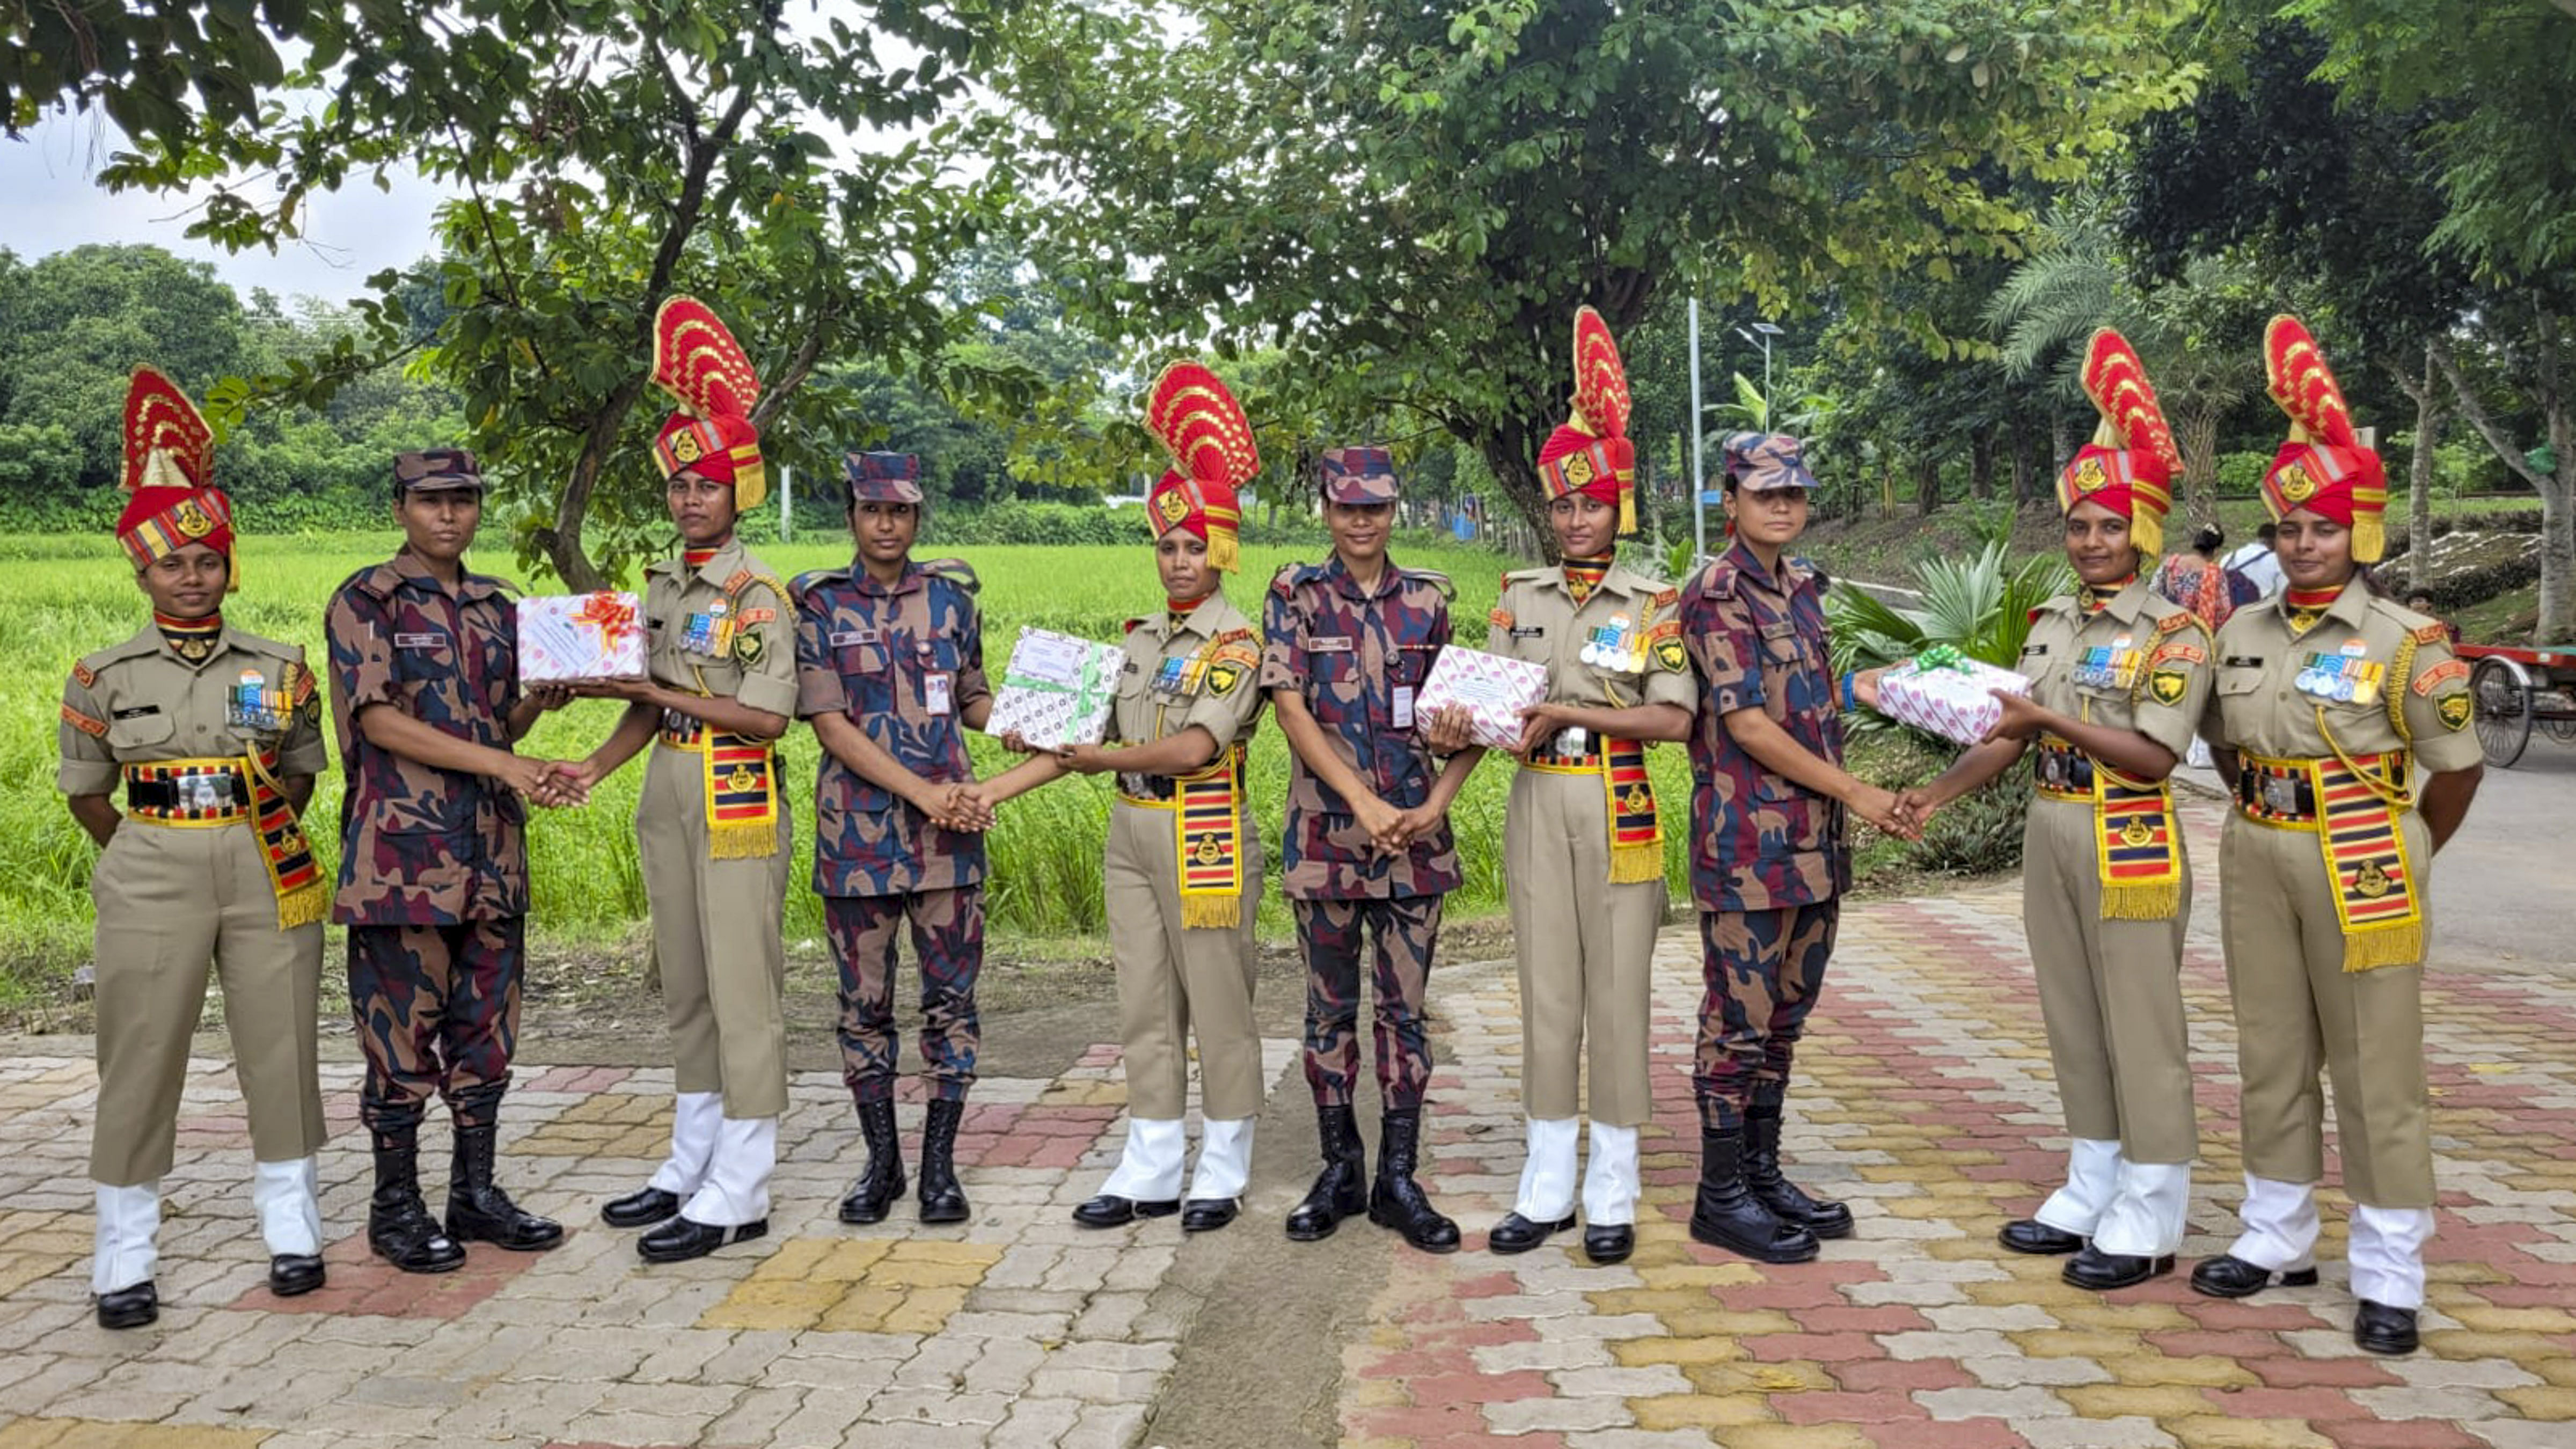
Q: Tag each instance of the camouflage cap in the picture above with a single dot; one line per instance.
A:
(1357, 475)
(1761, 462)
(882, 477)
(435, 470)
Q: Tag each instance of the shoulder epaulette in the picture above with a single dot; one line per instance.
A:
(955, 571)
(377, 581)
(274, 649)
(2433, 633)
(1132, 625)
(1717, 581)
(804, 582)
(2177, 621)
(745, 580)
(134, 648)
(1435, 579)
(507, 588)
(1665, 598)
(1231, 635)
(1285, 582)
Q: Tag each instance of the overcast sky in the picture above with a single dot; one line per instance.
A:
(56, 203)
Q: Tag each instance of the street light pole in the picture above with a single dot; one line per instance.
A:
(1768, 330)
(1699, 475)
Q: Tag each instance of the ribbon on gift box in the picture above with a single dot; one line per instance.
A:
(1089, 691)
(1942, 656)
(612, 615)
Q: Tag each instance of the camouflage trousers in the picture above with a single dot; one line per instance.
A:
(437, 1009)
(1404, 930)
(948, 945)
(1765, 970)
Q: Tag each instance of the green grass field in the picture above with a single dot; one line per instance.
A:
(72, 596)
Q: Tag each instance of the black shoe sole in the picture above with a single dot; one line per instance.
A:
(1607, 1256)
(425, 1270)
(1136, 1212)
(1546, 1231)
(947, 1215)
(2390, 1347)
(2301, 1278)
(860, 1217)
(507, 1245)
(2155, 1268)
(1301, 1233)
(1763, 1255)
(297, 1285)
(1208, 1223)
(128, 1315)
(2072, 1243)
(629, 1220)
(1388, 1222)
(742, 1234)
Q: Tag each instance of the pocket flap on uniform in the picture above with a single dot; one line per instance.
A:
(126, 731)
(2239, 680)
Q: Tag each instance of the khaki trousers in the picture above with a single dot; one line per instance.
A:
(170, 900)
(717, 934)
(2297, 1006)
(1586, 951)
(1173, 980)
(2110, 992)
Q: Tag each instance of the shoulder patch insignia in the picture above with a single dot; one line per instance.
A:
(2167, 686)
(1665, 598)
(2432, 634)
(86, 725)
(1224, 675)
(1284, 583)
(2176, 622)
(749, 617)
(2181, 650)
(86, 675)
(2440, 674)
(1500, 617)
(1669, 654)
(1235, 651)
(2454, 710)
(748, 647)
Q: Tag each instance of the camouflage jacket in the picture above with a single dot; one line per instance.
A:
(1358, 660)
(422, 846)
(1758, 840)
(903, 663)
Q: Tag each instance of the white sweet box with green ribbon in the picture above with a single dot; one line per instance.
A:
(1057, 690)
(1947, 693)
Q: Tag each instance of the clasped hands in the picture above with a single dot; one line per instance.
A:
(1912, 809)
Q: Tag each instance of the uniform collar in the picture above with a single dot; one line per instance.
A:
(914, 577)
(411, 567)
(1615, 580)
(726, 563)
(1388, 580)
(2352, 606)
(150, 640)
(1207, 621)
(1794, 573)
(2125, 606)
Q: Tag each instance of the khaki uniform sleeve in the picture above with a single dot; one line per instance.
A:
(818, 676)
(2438, 708)
(87, 767)
(1230, 698)
(2176, 693)
(301, 751)
(1668, 672)
(769, 678)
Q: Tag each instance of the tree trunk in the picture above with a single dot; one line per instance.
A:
(1927, 486)
(2022, 480)
(2429, 416)
(2557, 489)
(2198, 440)
(2061, 439)
(1981, 464)
(1510, 454)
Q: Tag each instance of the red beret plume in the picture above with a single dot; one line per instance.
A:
(1191, 413)
(1590, 453)
(704, 370)
(171, 499)
(2322, 467)
(2130, 464)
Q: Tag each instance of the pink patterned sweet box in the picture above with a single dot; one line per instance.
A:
(1951, 699)
(1494, 690)
(569, 638)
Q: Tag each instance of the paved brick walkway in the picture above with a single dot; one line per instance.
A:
(1926, 1103)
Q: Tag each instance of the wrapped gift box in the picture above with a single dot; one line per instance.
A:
(570, 638)
(1494, 690)
(1949, 696)
(1057, 690)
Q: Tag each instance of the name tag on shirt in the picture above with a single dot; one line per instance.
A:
(1530, 631)
(2244, 661)
(841, 637)
(934, 693)
(1340, 644)
(420, 641)
(140, 711)
(1401, 707)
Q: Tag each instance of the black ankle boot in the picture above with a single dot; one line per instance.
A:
(1727, 1214)
(1341, 1189)
(1395, 1199)
(399, 1227)
(881, 1185)
(1787, 1202)
(478, 1211)
(942, 1199)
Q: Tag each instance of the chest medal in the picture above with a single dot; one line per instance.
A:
(2341, 679)
(1614, 646)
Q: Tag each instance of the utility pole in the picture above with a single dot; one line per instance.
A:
(1699, 475)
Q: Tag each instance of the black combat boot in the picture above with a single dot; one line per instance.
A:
(881, 1184)
(1727, 1214)
(942, 1199)
(399, 1226)
(478, 1211)
(1395, 1199)
(1787, 1202)
(1341, 1189)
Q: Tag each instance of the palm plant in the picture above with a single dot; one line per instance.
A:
(1981, 606)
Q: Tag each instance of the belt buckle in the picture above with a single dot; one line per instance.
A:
(203, 792)
(2281, 794)
(1572, 743)
(1139, 786)
(2052, 769)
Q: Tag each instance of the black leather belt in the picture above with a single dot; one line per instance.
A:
(197, 792)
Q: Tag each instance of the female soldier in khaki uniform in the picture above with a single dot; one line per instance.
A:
(2118, 679)
(1583, 845)
(712, 828)
(2329, 698)
(217, 735)
(1182, 870)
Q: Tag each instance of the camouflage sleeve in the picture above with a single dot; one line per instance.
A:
(1668, 671)
(769, 673)
(2437, 707)
(1230, 699)
(818, 679)
(972, 682)
(362, 652)
(301, 751)
(2177, 689)
(1729, 656)
(1283, 654)
(88, 767)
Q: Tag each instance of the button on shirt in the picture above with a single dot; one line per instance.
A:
(1760, 841)
(903, 662)
(1358, 657)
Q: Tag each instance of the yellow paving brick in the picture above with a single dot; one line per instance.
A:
(1702, 1275)
(1798, 1436)
(794, 1258)
(923, 1310)
(2151, 1401)
(1798, 1377)
(2486, 1318)
(2144, 1317)
(900, 1271)
(2542, 1401)
(2522, 1348)
(849, 1260)
(2076, 1342)
(2559, 1371)
(861, 1310)
(2217, 1431)
(1721, 1321)
(1639, 1352)
(2051, 1295)
(2206, 1371)
(2463, 1271)
(1660, 1301)
(1362, 1393)
(1700, 1411)
(91, 1434)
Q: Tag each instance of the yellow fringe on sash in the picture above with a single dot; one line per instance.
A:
(303, 898)
(1636, 828)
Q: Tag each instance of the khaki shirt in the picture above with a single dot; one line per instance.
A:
(745, 646)
(139, 703)
(2159, 661)
(2259, 708)
(1636, 618)
(1203, 671)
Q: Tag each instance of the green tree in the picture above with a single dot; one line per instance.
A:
(1410, 203)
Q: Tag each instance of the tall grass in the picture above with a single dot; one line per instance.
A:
(70, 596)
